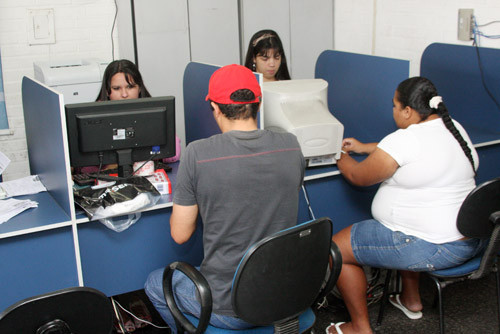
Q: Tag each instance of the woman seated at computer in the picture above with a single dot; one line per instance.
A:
(122, 80)
(427, 168)
(266, 55)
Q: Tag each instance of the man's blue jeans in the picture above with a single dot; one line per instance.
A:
(185, 296)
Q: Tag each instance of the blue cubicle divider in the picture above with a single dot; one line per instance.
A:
(198, 118)
(360, 91)
(45, 136)
(455, 70)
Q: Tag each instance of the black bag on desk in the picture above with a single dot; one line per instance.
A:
(125, 197)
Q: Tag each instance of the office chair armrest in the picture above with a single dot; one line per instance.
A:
(495, 217)
(204, 292)
(336, 267)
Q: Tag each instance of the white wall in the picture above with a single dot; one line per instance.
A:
(392, 28)
(404, 28)
(82, 29)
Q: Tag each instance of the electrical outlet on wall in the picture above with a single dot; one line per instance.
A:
(41, 26)
(465, 24)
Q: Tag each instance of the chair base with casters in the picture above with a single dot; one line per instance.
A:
(299, 258)
(71, 310)
(478, 217)
(302, 324)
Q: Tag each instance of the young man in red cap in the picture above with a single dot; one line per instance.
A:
(245, 185)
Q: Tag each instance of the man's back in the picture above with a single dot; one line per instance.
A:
(246, 185)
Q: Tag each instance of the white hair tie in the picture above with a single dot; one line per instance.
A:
(435, 101)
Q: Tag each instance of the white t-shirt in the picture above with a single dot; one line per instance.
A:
(424, 195)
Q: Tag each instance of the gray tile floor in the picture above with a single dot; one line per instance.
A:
(470, 307)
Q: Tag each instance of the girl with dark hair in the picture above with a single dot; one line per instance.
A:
(122, 80)
(426, 169)
(266, 55)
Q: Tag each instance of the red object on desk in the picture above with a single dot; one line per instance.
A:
(161, 181)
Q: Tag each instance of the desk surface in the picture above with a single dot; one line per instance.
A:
(49, 215)
(164, 202)
(46, 216)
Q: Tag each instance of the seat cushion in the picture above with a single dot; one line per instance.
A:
(461, 270)
(306, 321)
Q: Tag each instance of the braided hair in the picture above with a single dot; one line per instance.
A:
(416, 93)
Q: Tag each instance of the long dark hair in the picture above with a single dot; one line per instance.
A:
(261, 42)
(131, 73)
(416, 93)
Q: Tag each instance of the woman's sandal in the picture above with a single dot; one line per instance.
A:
(139, 309)
(396, 302)
(336, 326)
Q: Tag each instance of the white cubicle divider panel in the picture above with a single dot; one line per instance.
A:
(213, 31)
(162, 29)
(311, 32)
(46, 136)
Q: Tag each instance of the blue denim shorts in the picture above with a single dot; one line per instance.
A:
(375, 245)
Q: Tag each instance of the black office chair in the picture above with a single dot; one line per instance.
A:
(479, 217)
(68, 311)
(275, 284)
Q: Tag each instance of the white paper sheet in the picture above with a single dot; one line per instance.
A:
(23, 186)
(12, 207)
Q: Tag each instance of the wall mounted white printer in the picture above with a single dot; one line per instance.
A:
(300, 107)
(79, 80)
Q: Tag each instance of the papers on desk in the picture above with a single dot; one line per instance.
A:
(12, 207)
(24, 186)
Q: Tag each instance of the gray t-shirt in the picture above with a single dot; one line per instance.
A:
(246, 185)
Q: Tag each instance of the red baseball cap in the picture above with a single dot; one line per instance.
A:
(228, 79)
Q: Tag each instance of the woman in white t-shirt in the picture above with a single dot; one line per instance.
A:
(426, 169)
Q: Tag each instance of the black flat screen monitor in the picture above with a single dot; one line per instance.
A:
(121, 132)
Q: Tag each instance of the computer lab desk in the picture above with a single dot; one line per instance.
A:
(42, 249)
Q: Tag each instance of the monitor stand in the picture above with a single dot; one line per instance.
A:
(125, 164)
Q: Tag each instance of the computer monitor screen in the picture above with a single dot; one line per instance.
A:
(121, 132)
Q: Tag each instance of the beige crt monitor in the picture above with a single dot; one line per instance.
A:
(300, 107)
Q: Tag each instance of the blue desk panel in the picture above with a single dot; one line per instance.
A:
(455, 71)
(120, 262)
(360, 91)
(342, 202)
(37, 263)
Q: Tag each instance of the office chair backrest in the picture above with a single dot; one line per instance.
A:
(474, 216)
(479, 217)
(72, 310)
(281, 276)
